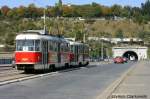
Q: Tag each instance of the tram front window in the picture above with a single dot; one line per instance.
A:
(28, 45)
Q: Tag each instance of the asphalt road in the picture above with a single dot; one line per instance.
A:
(82, 83)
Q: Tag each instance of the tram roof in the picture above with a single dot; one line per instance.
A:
(77, 43)
(33, 36)
(74, 43)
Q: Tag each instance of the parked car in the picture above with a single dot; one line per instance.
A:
(118, 59)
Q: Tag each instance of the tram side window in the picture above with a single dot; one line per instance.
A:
(80, 48)
(37, 45)
(56, 47)
(62, 47)
(66, 47)
(72, 48)
(50, 46)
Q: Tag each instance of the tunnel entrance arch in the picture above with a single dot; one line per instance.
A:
(131, 55)
(131, 52)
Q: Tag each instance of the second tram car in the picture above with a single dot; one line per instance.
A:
(38, 51)
(79, 53)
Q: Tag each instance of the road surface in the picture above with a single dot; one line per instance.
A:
(81, 83)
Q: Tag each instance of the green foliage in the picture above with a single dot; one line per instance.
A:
(139, 14)
(119, 34)
(116, 10)
(9, 38)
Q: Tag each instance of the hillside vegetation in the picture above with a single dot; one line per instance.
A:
(70, 27)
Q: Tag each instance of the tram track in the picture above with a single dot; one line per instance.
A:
(9, 72)
(11, 75)
(5, 68)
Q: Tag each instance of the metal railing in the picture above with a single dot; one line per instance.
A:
(6, 60)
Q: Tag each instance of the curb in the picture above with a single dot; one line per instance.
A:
(26, 78)
(106, 94)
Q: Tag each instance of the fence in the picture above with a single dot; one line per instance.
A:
(6, 60)
(6, 57)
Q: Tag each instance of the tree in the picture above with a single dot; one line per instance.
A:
(59, 8)
(145, 7)
(4, 10)
(97, 10)
(31, 12)
(9, 38)
(126, 12)
(106, 11)
(68, 11)
(11, 14)
(21, 11)
(116, 10)
(145, 10)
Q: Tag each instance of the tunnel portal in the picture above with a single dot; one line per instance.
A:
(131, 55)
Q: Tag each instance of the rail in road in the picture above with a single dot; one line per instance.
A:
(11, 75)
(4, 67)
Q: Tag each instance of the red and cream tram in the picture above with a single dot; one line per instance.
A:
(36, 51)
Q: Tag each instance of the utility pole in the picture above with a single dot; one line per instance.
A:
(83, 42)
(60, 10)
(107, 54)
(102, 51)
(44, 21)
(83, 37)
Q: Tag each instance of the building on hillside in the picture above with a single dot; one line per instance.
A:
(118, 40)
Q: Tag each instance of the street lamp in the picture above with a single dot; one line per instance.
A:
(44, 21)
(102, 51)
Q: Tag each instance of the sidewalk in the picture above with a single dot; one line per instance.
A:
(136, 85)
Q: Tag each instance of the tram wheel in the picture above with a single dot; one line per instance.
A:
(80, 64)
(67, 65)
(29, 70)
(52, 68)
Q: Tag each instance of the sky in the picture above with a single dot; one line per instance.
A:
(44, 3)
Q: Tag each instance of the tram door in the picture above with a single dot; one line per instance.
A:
(76, 53)
(83, 53)
(59, 53)
(45, 53)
